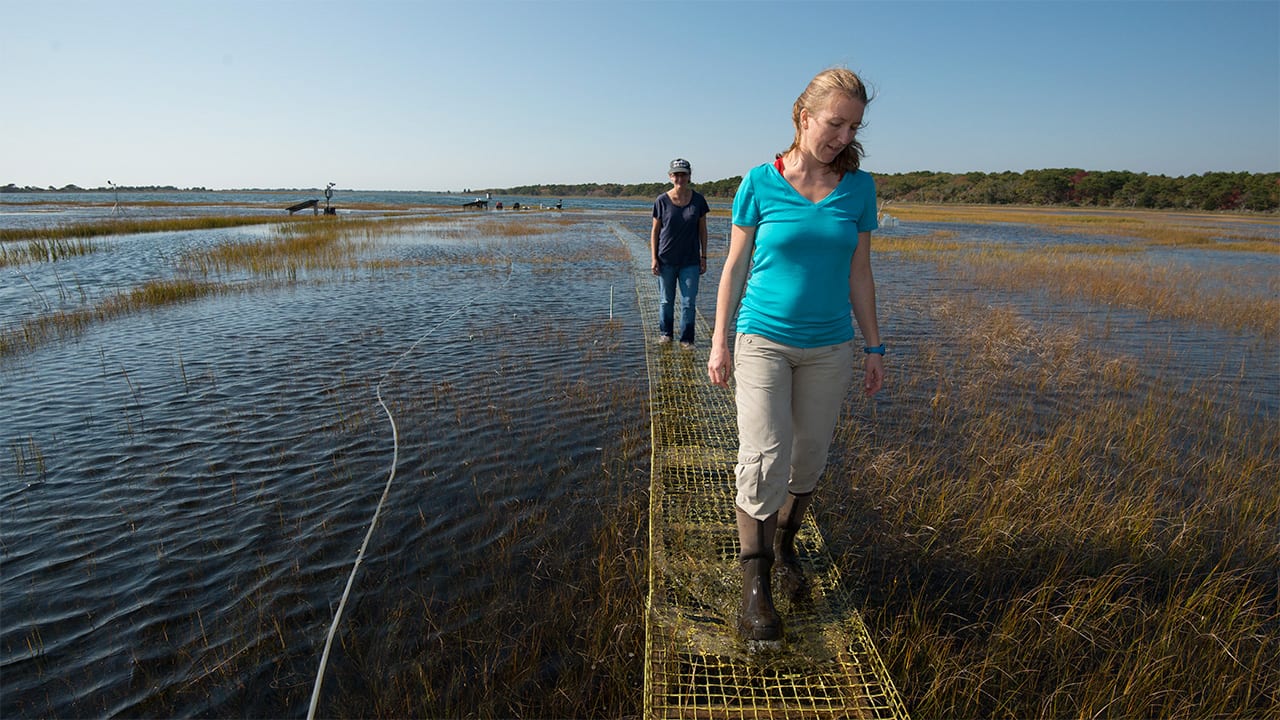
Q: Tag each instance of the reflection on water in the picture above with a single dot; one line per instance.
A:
(183, 490)
(205, 468)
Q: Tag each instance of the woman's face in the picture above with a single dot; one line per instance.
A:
(679, 179)
(825, 133)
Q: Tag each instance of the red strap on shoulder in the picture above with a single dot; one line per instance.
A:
(777, 162)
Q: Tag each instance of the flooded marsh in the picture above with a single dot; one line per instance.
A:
(1064, 503)
(188, 483)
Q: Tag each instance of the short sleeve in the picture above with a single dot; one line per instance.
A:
(868, 221)
(746, 211)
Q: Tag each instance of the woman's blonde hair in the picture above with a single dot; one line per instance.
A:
(817, 95)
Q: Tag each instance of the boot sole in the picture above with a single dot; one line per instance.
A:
(763, 646)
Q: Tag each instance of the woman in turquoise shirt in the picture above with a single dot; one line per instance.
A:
(802, 228)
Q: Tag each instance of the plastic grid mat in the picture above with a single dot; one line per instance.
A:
(695, 665)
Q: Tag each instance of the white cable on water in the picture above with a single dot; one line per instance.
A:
(395, 460)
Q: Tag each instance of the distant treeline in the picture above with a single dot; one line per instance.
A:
(12, 188)
(1255, 192)
(715, 189)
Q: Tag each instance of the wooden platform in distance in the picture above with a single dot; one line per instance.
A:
(302, 206)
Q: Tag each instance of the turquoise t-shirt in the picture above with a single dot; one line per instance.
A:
(797, 292)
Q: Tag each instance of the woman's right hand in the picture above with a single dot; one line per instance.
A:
(732, 279)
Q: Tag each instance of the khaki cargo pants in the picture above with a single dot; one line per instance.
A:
(788, 402)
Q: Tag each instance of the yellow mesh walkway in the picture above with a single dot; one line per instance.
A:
(695, 667)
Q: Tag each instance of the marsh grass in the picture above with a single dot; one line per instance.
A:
(28, 459)
(312, 245)
(547, 621)
(18, 252)
(1161, 229)
(59, 242)
(917, 247)
(1041, 531)
(551, 622)
(523, 225)
(34, 332)
(1118, 275)
(132, 226)
(1033, 528)
(1162, 290)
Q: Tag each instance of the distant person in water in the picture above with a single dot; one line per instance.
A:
(679, 244)
(802, 227)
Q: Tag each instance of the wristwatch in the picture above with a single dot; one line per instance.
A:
(874, 350)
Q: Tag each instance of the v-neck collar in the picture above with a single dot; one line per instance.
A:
(777, 165)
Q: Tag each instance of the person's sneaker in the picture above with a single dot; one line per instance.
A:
(664, 339)
(686, 344)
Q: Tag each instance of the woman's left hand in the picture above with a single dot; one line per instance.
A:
(874, 378)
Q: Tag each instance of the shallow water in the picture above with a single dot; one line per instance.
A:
(182, 491)
(187, 469)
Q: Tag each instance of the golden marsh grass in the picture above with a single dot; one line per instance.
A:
(323, 244)
(57, 242)
(131, 226)
(1155, 227)
(1044, 530)
(18, 252)
(41, 329)
(1108, 274)
(1160, 290)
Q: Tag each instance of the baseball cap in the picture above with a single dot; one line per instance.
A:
(680, 165)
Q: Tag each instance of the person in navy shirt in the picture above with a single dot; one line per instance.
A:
(679, 244)
(802, 228)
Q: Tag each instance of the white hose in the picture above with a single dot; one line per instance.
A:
(395, 459)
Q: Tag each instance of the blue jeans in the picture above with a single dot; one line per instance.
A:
(687, 277)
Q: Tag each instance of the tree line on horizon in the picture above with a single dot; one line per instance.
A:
(1214, 191)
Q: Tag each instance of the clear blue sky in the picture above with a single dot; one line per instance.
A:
(424, 95)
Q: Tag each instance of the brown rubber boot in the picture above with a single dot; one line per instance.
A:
(758, 621)
(790, 575)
